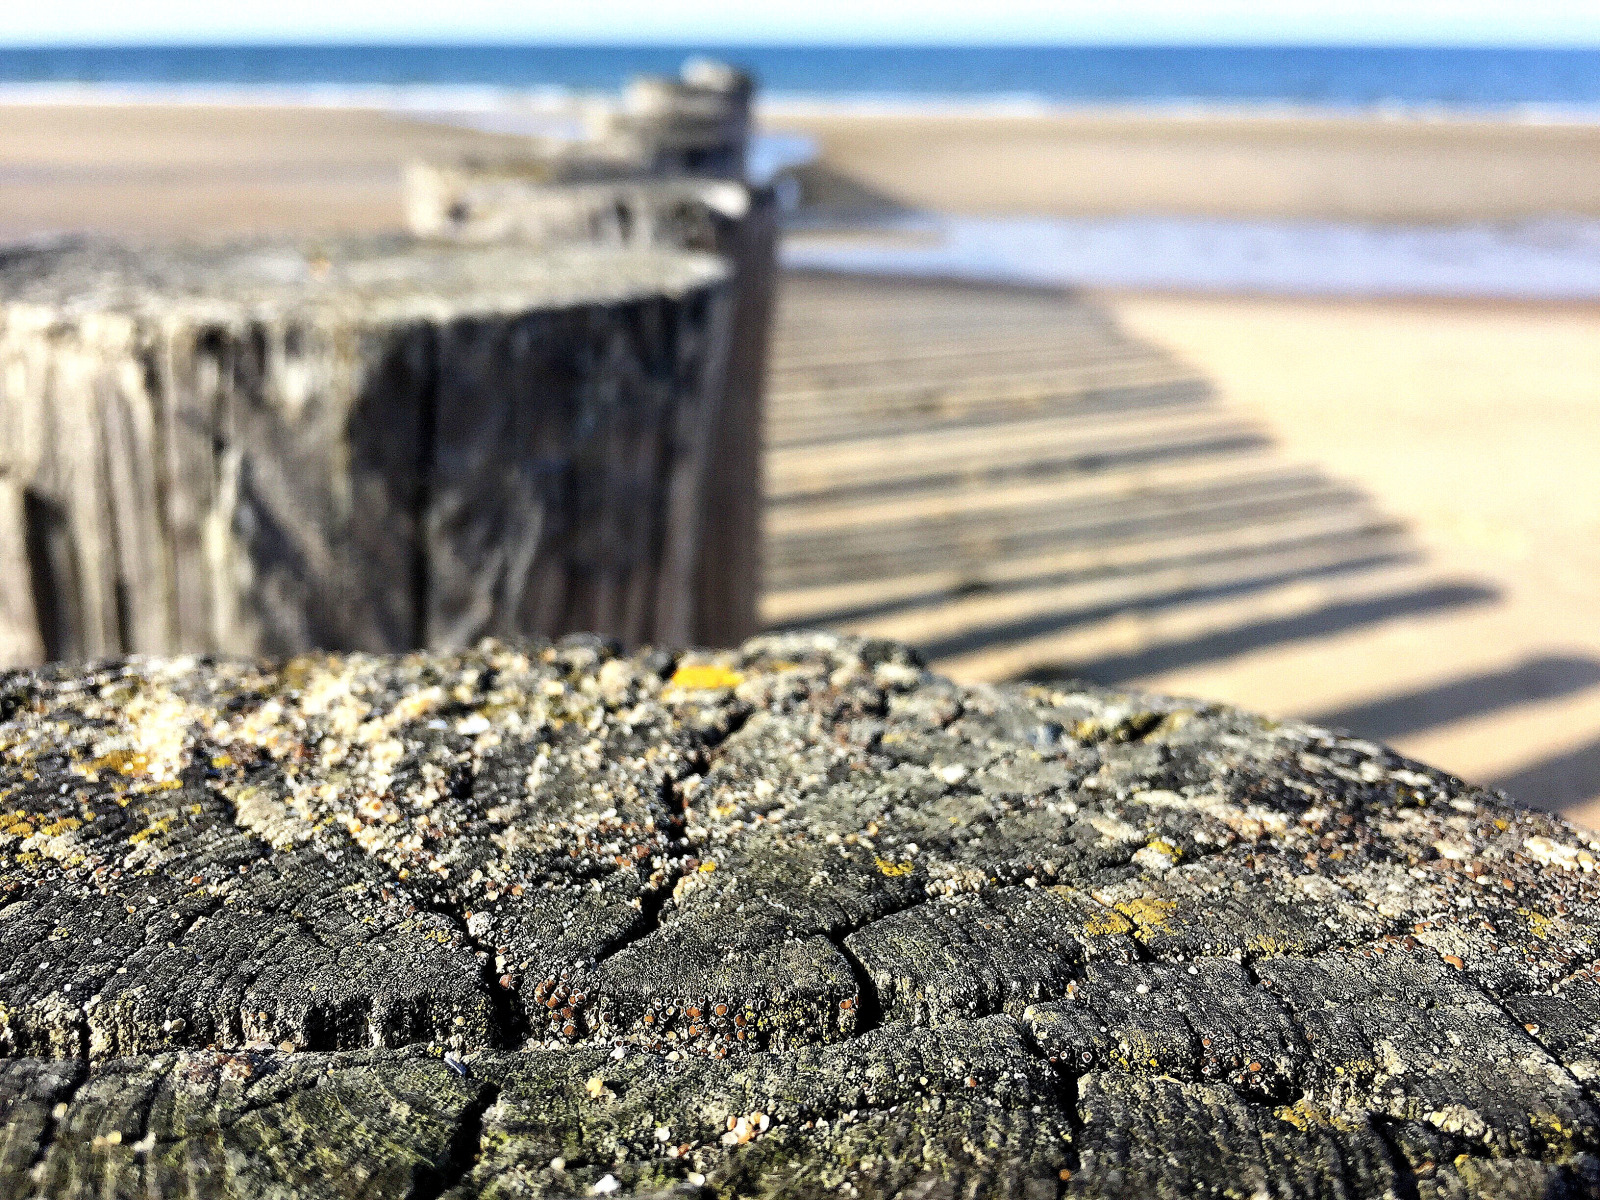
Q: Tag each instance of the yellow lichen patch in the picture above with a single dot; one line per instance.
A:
(705, 677)
(1136, 1051)
(159, 785)
(1304, 1115)
(1553, 1130)
(1158, 855)
(1540, 926)
(64, 825)
(1148, 913)
(16, 824)
(1301, 1114)
(1116, 725)
(893, 869)
(154, 829)
(1107, 923)
(124, 762)
(1269, 945)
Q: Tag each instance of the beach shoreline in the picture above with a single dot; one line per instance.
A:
(778, 108)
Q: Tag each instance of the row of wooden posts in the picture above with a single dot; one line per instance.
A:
(539, 413)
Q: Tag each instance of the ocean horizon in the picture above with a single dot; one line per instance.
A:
(1518, 81)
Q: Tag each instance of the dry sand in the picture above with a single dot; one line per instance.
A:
(161, 171)
(1479, 427)
(1374, 516)
(1474, 427)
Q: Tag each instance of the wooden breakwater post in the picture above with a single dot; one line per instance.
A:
(373, 444)
(663, 168)
(696, 124)
(798, 919)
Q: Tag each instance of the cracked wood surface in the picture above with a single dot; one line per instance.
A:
(798, 919)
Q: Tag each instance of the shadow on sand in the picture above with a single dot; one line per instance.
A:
(1003, 477)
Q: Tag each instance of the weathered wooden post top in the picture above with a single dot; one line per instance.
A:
(655, 166)
(697, 124)
(799, 919)
(358, 444)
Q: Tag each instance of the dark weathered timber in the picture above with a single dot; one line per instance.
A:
(730, 571)
(368, 445)
(526, 202)
(794, 920)
(696, 124)
(662, 166)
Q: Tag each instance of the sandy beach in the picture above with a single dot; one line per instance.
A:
(1467, 430)
(160, 171)
(1346, 168)
(1478, 427)
(1375, 516)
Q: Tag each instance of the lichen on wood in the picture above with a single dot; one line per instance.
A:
(799, 919)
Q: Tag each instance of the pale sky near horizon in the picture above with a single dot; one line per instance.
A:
(1540, 22)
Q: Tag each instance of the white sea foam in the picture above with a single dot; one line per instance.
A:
(800, 105)
(773, 105)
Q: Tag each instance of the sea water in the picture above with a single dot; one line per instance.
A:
(1417, 78)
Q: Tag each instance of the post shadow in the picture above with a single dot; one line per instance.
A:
(1544, 677)
(1557, 783)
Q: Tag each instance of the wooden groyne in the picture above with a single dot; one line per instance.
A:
(368, 445)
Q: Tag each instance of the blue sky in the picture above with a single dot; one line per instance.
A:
(1539, 22)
